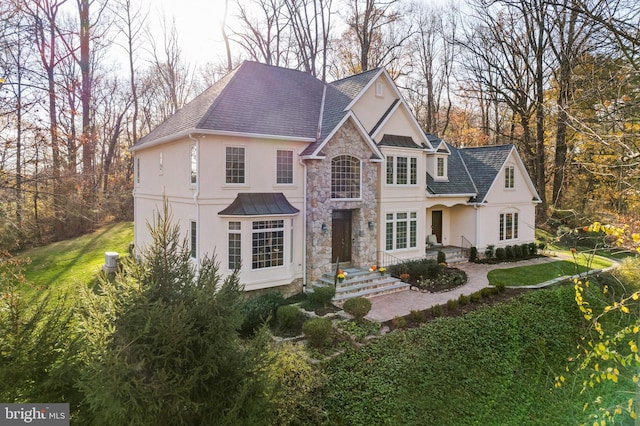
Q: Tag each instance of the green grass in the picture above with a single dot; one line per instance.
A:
(537, 274)
(62, 265)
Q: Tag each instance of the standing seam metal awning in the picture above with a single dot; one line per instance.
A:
(259, 204)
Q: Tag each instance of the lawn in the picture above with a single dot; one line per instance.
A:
(62, 265)
(536, 274)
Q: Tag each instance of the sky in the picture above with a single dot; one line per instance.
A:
(197, 23)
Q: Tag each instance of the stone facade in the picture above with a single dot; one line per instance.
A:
(320, 205)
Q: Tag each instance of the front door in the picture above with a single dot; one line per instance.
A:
(436, 224)
(341, 236)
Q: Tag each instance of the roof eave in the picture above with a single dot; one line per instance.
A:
(207, 132)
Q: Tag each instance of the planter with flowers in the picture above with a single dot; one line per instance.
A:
(341, 275)
(382, 270)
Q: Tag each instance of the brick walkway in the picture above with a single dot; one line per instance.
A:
(388, 306)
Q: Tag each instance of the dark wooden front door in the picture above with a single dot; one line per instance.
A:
(436, 224)
(341, 236)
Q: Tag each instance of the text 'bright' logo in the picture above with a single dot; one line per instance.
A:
(41, 414)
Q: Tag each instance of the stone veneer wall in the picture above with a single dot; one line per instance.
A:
(346, 141)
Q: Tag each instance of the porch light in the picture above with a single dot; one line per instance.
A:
(370, 224)
(323, 228)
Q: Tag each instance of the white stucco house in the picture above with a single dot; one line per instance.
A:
(281, 174)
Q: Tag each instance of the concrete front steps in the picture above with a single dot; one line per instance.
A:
(453, 254)
(362, 283)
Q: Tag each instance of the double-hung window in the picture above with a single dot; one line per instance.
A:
(284, 167)
(235, 164)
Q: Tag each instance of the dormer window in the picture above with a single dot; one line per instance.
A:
(440, 167)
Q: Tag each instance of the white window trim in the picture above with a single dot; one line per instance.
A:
(234, 231)
(293, 170)
(512, 180)
(193, 172)
(137, 171)
(246, 168)
(445, 168)
(515, 225)
(394, 166)
(283, 229)
(395, 221)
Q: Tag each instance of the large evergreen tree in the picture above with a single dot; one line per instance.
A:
(162, 341)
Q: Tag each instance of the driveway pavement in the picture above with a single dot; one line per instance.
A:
(388, 306)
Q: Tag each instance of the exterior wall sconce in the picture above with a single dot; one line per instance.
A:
(370, 225)
(323, 228)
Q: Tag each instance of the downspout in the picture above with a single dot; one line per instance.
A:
(196, 199)
(475, 206)
(304, 227)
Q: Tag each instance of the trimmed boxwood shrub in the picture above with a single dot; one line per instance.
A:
(476, 297)
(289, 318)
(259, 310)
(463, 299)
(473, 254)
(501, 253)
(525, 250)
(533, 249)
(508, 251)
(317, 331)
(322, 296)
(442, 257)
(359, 307)
(517, 252)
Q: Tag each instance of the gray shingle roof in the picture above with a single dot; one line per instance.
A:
(259, 204)
(459, 181)
(338, 96)
(267, 100)
(483, 164)
(254, 98)
(471, 170)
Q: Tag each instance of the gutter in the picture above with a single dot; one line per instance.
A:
(192, 131)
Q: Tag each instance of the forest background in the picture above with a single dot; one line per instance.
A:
(82, 80)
